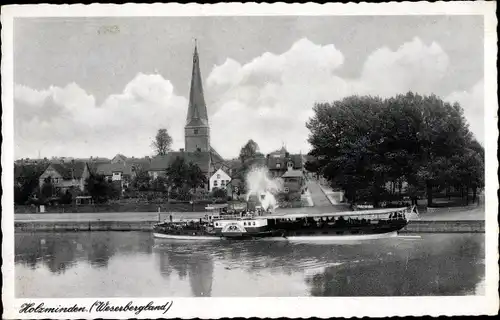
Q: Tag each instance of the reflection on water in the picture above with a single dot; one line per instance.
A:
(87, 264)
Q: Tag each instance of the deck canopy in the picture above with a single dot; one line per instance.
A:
(335, 214)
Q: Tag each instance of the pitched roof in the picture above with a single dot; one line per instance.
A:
(292, 174)
(26, 170)
(295, 158)
(279, 152)
(202, 159)
(127, 167)
(119, 157)
(108, 168)
(197, 112)
(217, 161)
(70, 170)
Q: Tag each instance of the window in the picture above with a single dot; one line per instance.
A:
(290, 164)
(222, 183)
(218, 176)
(195, 131)
(278, 165)
(215, 183)
(287, 190)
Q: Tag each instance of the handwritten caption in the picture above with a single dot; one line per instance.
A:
(114, 29)
(97, 306)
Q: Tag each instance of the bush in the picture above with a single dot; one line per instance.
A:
(219, 193)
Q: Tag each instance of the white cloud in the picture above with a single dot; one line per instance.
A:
(67, 122)
(472, 102)
(413, 67)
(268, 99)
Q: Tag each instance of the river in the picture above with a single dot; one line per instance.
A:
(133, 264)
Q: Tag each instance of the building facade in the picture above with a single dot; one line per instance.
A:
(280, 161)
(219, 179)
(64, 176)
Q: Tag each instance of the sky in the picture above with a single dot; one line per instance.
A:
(101, 86)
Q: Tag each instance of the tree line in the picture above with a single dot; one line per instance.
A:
(362, 143)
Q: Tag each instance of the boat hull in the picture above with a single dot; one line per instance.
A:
(184, 237)
(311, 238)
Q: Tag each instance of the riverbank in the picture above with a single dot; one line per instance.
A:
(416, 226)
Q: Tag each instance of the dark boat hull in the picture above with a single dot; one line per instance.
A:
(312, 238)
(346, 232)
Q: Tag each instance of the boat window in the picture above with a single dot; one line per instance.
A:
(254, 223)
(244, 223)
(216, 224)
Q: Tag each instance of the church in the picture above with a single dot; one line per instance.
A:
(197, 148)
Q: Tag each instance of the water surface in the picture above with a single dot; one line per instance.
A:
(133, 264)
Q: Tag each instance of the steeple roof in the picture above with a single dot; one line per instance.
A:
(197, 113)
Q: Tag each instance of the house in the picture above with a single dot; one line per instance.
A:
(219, 179)
(280, 161)
(122, 172)
(66, 175)
(293, 181)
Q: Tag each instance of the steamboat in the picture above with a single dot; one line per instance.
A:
(366, 224)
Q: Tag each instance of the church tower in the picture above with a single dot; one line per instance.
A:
(197, 129)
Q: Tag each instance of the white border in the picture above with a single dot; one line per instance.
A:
(266, 307)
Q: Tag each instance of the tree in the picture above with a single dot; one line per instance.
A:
(177, 173)
(160, 184)
(162, 142)
(248, 151)
(141, 180)
(182, 176)
(67, 197)
(467, 170)
(219, 193)
(312, 165)
(47, 189)
(195, 176)
(27, 181)
(344, 143)
(362, 143)
(100, 189)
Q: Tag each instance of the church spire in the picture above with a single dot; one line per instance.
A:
(197, 112)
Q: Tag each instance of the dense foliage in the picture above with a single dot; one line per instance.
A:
(26, 183)
(100, 189)
(361, 143)
(248, 151)
(180, 180)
